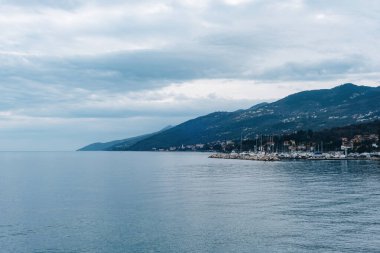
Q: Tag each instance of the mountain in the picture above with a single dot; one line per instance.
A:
(118, 144)
(316, 109)
(104, 146)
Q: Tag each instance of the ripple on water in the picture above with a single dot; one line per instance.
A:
(184, 202)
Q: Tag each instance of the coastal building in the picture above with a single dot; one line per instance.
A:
(199, 146)
(373, 137)
(357, 138)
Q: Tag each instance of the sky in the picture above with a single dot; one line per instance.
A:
(78, 71)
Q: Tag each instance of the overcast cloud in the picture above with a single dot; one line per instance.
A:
(75, 72)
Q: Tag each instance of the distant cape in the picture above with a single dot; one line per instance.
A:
(118, 144)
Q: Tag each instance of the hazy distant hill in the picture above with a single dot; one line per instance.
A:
(103, 146)
(118, 144)
(317, 109)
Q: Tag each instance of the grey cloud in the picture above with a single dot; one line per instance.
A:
(322, 70)
(124, 70)
(29, 3)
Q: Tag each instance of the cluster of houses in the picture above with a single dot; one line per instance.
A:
(194, 147)
(357, 141)
(270, 146)
(372, 139)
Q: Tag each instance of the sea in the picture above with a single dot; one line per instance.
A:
(117, 202)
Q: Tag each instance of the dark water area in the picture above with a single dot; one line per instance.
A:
(184, 202)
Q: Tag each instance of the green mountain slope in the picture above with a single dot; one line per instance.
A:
(317, 109)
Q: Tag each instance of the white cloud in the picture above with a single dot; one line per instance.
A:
(237, 2)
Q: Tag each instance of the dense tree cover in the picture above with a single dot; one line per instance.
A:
(326, 140)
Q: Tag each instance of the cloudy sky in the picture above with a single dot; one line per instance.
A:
(78, 71)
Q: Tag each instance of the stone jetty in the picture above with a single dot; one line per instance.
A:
(252, 157)
(261, 156)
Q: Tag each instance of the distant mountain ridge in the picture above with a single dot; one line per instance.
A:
(118, 144)
(316, 109)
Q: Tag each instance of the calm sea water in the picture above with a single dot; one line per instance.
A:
(185, 202)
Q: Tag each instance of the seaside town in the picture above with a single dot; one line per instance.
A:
(275, 148)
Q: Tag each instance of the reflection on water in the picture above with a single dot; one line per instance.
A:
(184, 202)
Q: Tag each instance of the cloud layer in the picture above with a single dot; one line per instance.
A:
(96, 70)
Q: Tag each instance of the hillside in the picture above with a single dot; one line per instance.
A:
(118, 144)
(104, 146)
(317, 109)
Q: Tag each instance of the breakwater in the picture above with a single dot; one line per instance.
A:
(254, 157)
(293, 156)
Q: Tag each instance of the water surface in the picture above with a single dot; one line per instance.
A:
(184, 202)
